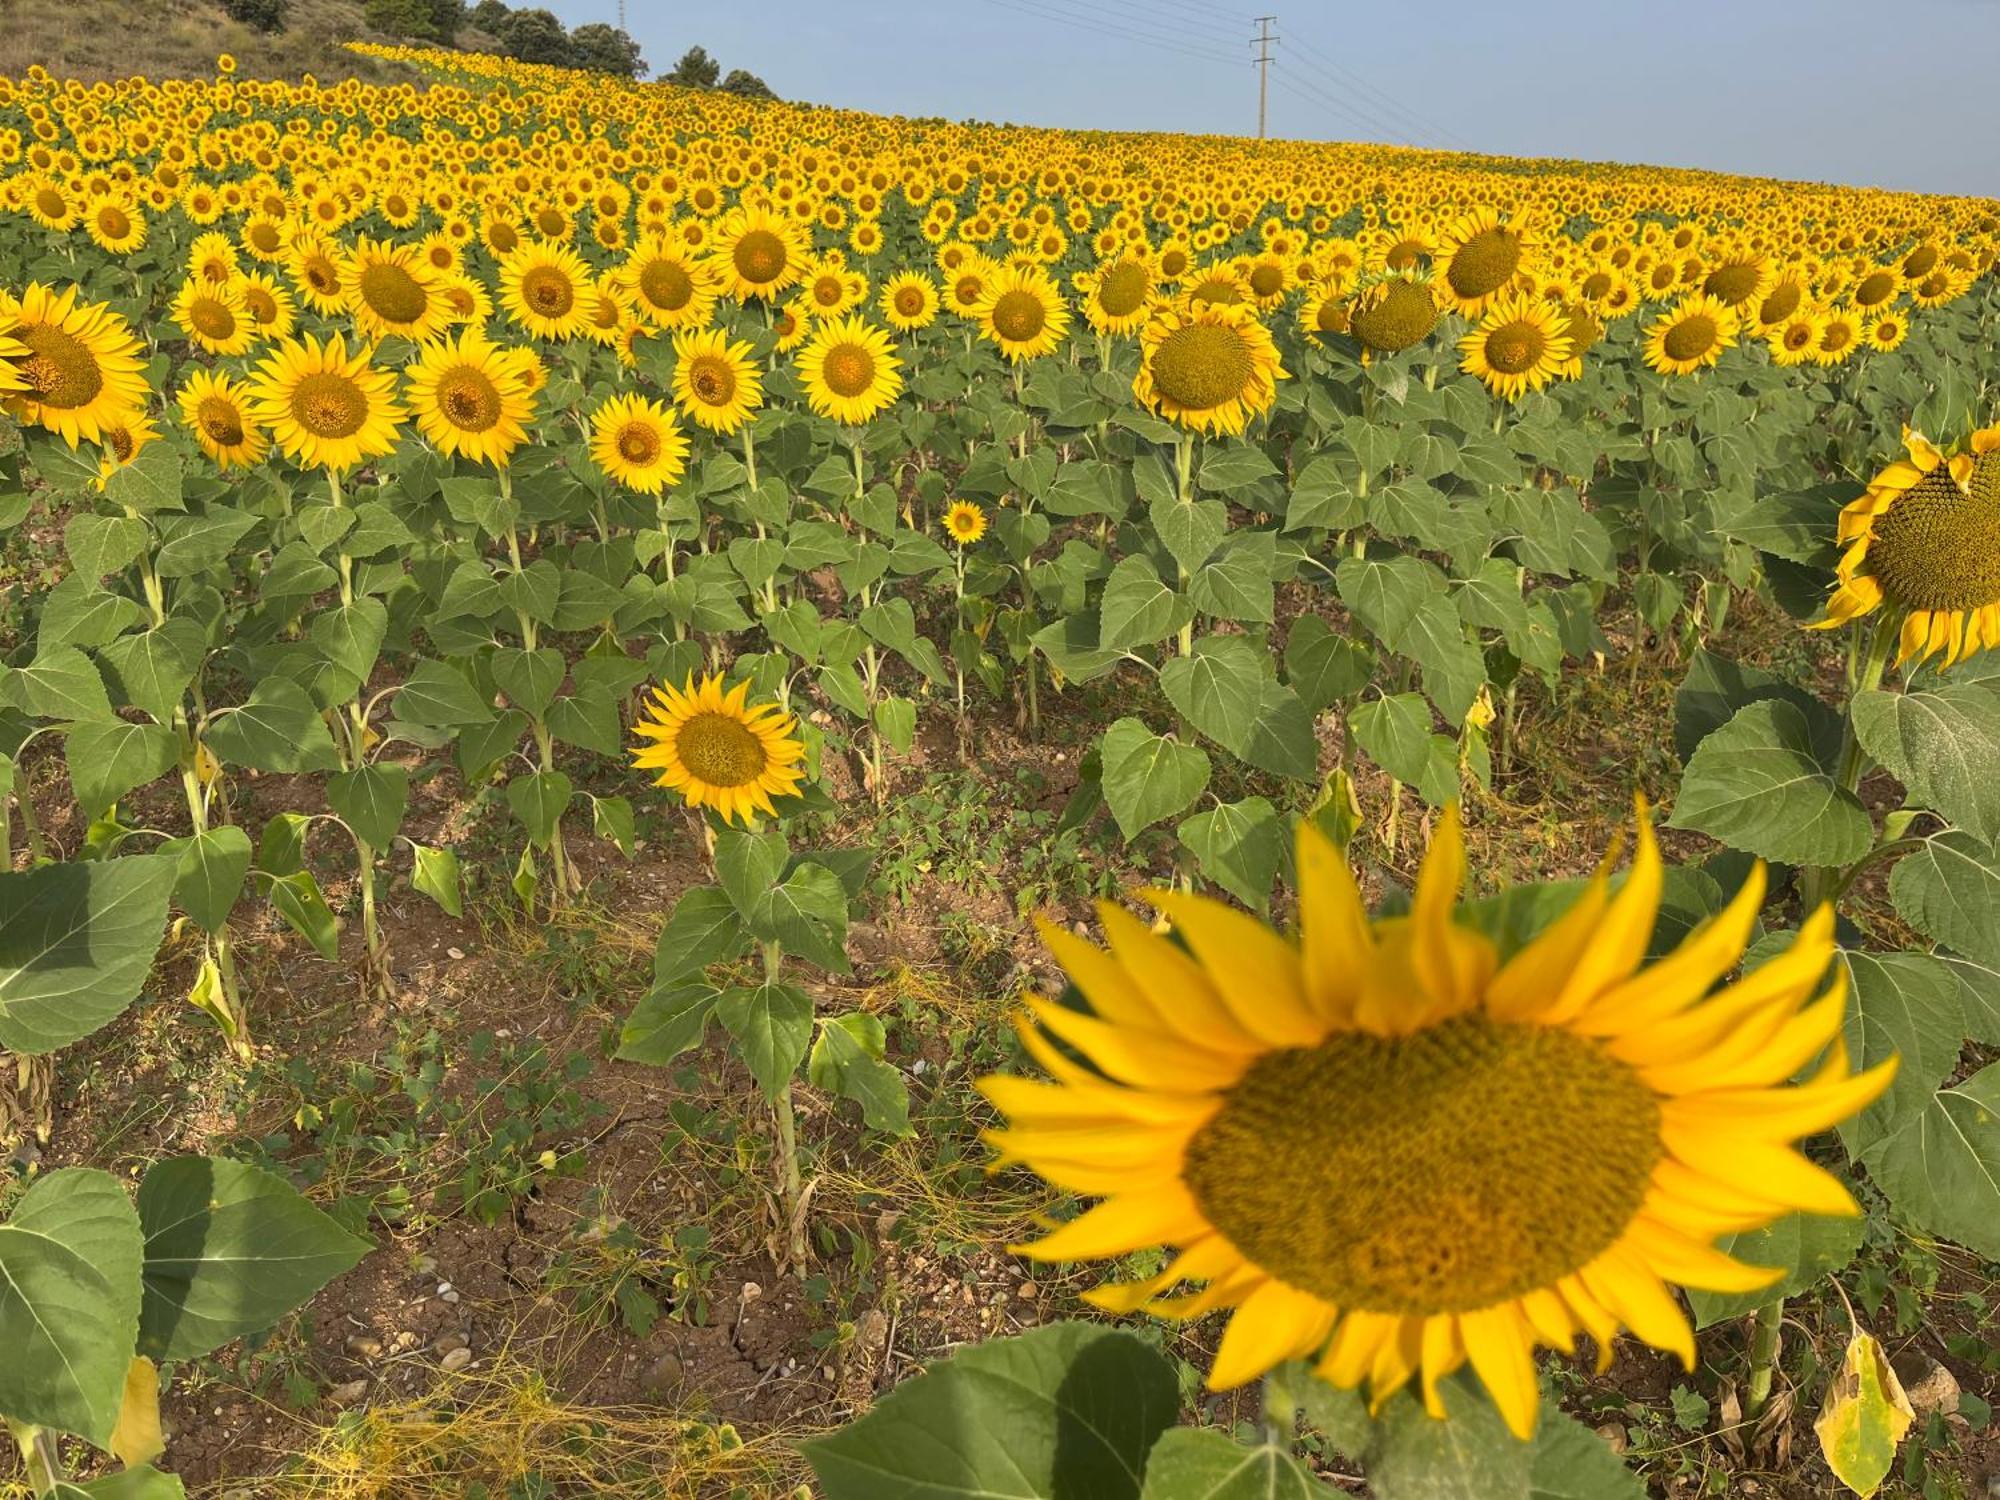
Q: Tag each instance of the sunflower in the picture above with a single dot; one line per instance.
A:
(1478, 257)
(1739, 280)
(1520, 345)
(964, 522)
(216, 410)
(1023, 311)
(1394, 313)
(315, 265)
(671, 286)
(327, 409)
(1795, 341)
(81, 370)
(715, 382)
(1690, 336)
(12, 353)
(1887, 331)
(1925, 539)
(637, 441)
(116, 224)
(392, 289)
(849, 369)
(1118, 295)
(909, 301)
(212, 315)
(1324, 313)
(758, 253)
(717, 751)
(1839, 335)
(121, 441)
(1210, 367)
(470, 400)
(543, 286)
(793, 325)
(1365, 1141)
(212, 257)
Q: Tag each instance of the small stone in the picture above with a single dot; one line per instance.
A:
(665, 1375)
(362, 1346)
(455, 1361)
(751, 1292)
(1027, 1291)
(449, 1294)
(1928, 1384)
(403, 1342)
(446, 1342)
(454, 953)
(349, 1393)
(1614, 1436)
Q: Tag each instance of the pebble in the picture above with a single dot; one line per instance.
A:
(665, 1376)
(1928, 1384)
(751, 1292)
(447, 1292)
(446, 1342)
(348, 1394)
(455, 1361)
(1614, 1437)
(454, 953)
(361, 1346)
(403, 1342)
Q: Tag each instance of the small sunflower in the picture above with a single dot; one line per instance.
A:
(964, 522)
(544, 288)
(1363, 1140)
(718, 751)
(1210, 367)
(1324, 313)
(1887, 331)
(269, 305)
(909, 301)
(326, 408)
(637, 441)
(392, 289)
(671, 286)
(1022, 310)
(1795, 340)
(758, 253)
(1520, 345)
(81, 372)
(116, 224)
(793, 325)
(315, 265)
(470, 400)
(1690, 336)
(1925, 539)
(1839, 336)
(213, 316)
(849, 369)
(715, 382)
(217, 411)
(121, 441)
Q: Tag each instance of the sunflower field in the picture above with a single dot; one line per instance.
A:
(875, 808)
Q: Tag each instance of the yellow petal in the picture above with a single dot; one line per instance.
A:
(1274, 1324)
(1619, 945)
(1501, 1349)
(1181, 990)
(1117, 1226)
(1684, 976)
(1334, 937)
(1254, 969)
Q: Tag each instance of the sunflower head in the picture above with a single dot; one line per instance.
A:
(716, 383)
(717, 749)
(964, 522)
(1361, 1137)
(638, 442)
(1208, 366)
(1394, 313)
(79, 371)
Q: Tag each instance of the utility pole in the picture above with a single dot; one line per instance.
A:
(1262, 42)
(621, 15)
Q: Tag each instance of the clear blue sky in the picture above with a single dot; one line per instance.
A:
(1897, 94)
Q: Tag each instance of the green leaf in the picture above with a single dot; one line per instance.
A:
(1240, 845)
(1147, 778)
(1941, 1169)
(1228, 467)
(98, 545)
(194, 544)
(1217, 688)
(668, 1020)
(1902, 1005)
(704, 929)
(151, 669)
(538, 800)
(749, 863)
(142, 1483)
(1943, 744)
(1136, 608)
(69, 1302)
(298, 900)
(437, 695)
(1190, 1463)
(847, 1059)
(371, 801)
(1065, 1412)
(209, 874)
(1757, 784)
(772, 1025)
(76, 943)
(1809, 1247)
(611, 818)
(60, 683)
(1716, 687)
(1978, 994)
(1190, 530)
(1396, 733)
(278, 729)
(151, 482)
(230, 1249)
(1323, 666)
(435, 873)
(108, 758)
(1949, 889)
(351, 636)
(1470, 1455)
(1570, 1462)
(806, 915)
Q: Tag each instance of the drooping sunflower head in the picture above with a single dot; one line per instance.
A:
(716, 383)
(1479, 257)
(1209, 367)
(470, 399)
(327, 408)
(1022, 311)
(1362, 1136)
(80, 371)
(217, 411)
(639, 443)
(717, 749)
(545, 287)
(391, 289)
(1520, 345)
(1924, 540)
(964, 522)
(1394, 313)
(850, 370)
(1690, 336)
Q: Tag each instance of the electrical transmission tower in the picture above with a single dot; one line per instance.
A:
(1262, 42)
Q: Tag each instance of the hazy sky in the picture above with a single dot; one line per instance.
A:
(1897, 95)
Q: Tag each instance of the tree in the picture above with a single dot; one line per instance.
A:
(416, 20)
(695, 70)
(491, 16)
(265, 15)
(749, 85)
(535, 36)
(605, 49)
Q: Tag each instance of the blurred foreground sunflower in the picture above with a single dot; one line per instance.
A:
(1388, 1150)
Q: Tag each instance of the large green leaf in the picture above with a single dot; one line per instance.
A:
(1943, 744)
(371, 800)
(209, 873)
(1716, 687)
(1396, 733)
(1241, 846)
(437, 694)
(538, 800)
(1757, 784)
(142, 1483)
(1217, 686)
(668, 1020)
(300, 902)
(76, 943)
(1949, 889)
(1808, 1246)
(1190, 1463)
(847, 1059)
(1468, 1456)
(1147, 777)
(109, 757)
(1065, 1412)
(1136, 608)
(230, 1249)
(277, 729)
(704, 929)
(60, 683)
(772, 1025)
(1942, 1168)
(1902, 1005)
(69, 1302)
(1570, 1462)
(806, 914)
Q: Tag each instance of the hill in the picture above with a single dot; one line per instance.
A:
(92, 39)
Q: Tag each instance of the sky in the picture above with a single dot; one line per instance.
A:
(1851, 91)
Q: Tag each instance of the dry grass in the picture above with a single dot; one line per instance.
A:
(93, 39)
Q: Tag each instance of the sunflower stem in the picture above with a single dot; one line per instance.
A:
(1823, 882)
(790, 1185)
(1764, 1346)
(38, 1456)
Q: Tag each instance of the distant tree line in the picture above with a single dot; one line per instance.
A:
(697, 70)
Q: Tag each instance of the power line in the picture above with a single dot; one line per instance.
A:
(1370, 127)
(1153, 18)
(1031, 8)
(1382, 99)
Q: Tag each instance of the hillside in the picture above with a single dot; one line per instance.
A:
(92, 39)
